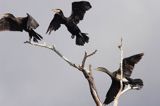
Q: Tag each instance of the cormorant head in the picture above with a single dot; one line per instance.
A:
(57, 11)
(102, 69)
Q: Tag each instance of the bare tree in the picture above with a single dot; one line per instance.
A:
(87, 72)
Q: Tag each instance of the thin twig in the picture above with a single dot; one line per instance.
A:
(86, 56)
(126, 89)
(52, 47)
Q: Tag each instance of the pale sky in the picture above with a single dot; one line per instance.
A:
(33, 76)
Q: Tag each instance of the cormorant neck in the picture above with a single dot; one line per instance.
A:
(102, 69)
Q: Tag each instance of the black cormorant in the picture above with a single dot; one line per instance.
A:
(78, 10)
(11, 23)
(128, 65)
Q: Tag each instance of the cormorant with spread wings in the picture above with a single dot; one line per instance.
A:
(128, 65)
(8, 22)
(78, 10)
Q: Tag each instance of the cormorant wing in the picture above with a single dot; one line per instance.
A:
(9, 22)
(112, 92)
(31, 22)
(79, 9)
(54, 24)
(129, 62)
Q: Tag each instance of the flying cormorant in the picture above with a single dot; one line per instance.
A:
(11, 23)
(78, 10)
(128, 65)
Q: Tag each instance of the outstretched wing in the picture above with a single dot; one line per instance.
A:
(54, 24)
(79, 9)
(31, 22)
(129, 62)
(112, 92)
(9, 22)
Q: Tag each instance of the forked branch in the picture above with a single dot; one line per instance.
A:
(88, 75)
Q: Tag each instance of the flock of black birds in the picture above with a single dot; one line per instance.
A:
(8, 22)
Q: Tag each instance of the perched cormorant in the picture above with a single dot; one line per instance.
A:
(128, 65)
(11, 23)
(78, 10)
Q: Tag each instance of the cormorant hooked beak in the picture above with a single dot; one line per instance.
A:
(55, 10)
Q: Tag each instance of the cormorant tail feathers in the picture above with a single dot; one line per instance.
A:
(81, 39)
(137, 84)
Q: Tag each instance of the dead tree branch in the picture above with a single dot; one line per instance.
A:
(121, 83)
(52, 47)
(87, 73)
(121, 68)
